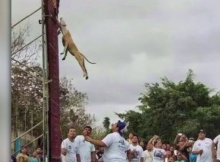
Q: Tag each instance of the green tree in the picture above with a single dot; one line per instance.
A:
(106, 124)
(27, 87)
(26, 93)
(167, 108)
(73, 104)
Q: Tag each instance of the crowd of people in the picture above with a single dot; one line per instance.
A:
(24, 156)
(116, 148)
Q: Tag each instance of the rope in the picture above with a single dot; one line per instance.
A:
(27, 131)
(27, 44)
(28, 144)
(26, 17)
(22, 64)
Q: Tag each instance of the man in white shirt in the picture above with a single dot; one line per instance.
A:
(116, 147)
(86, 149)
(204, 148)
(69, 148)
(149, 153)
(136, 150)
(217, 143)
(159, 154)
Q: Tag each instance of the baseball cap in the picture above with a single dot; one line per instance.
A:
(121, 125)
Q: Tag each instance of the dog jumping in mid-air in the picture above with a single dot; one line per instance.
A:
(69, 46)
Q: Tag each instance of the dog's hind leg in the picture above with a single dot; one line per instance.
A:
(81, 62)
(64, 49)
(85, 71)
(65, 55)
(65, 45)
(64, 52)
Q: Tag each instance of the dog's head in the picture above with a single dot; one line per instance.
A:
(62, 22)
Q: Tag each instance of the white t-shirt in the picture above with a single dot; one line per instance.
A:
(217, 141)
(138, 153)
(71, 150)
(117, 147)
(85, 148)
(159, 155)
(206, 146)
(148, 156)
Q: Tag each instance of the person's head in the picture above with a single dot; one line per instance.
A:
(183, 138)
(130, 136)
(168, 146)
(171, 148)
(119, 127)
(87, 130)
(179, 155)
(24, 150)
(38, 150)
(158, 143)
(164, 146)
(71, 133)
(135, 139)
(149, 146)
(202, 134)
(142, 143)
(171, 159)
(168, 153)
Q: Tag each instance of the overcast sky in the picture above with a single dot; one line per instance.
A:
(133, 43)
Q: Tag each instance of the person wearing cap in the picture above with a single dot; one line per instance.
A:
(203, 147)
(217, 142)
(116, 147)
(86, 149)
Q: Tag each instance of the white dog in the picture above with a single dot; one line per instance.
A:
(69, 46)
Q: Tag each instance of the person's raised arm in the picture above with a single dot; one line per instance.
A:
(95, 142)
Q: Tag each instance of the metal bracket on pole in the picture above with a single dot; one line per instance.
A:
(47, 81)
(42, 21)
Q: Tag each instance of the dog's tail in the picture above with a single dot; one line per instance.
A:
(87, 59)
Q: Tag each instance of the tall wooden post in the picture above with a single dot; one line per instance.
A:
(53, 63)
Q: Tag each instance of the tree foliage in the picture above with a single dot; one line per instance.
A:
(27, 96)
(106, 124)
(167, 108)
(73, 105)
(20, 50)
(27, 90)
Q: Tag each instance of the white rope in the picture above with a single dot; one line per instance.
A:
(26, 17)
(27, 44)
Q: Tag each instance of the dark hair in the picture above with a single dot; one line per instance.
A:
(22, 147)
(70, 128)
(88, 127)
(135, 135)
(146, 143)
(38, 147)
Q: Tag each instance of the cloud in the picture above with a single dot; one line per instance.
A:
(133, 43)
